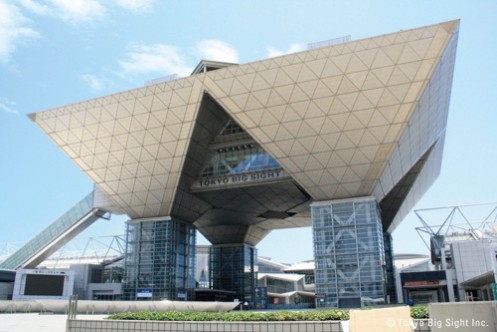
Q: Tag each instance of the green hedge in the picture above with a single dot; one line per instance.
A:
(235, 316)
(417, 312)
(420, 312)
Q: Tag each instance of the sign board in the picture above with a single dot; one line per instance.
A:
(147, 292)
(231, 180)
(421, 283)
(181, 294)
(261, 298)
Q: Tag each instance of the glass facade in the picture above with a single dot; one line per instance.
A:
(390, 270)
(160, 260)
(231, 128)
(239, 159)
(233, 268)
(349, 253)
(234, 152)
(279, 286)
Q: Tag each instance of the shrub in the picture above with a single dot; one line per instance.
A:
(417, 312)
(235, 316)
(420, 312)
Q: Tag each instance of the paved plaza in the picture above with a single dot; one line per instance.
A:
(37, 322)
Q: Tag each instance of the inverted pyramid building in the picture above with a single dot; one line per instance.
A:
(236, 151)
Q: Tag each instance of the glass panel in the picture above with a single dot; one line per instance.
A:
(233, 151)
(349, 254)
(234, 268)
(51, 233)
(160, 258)
(239, 159)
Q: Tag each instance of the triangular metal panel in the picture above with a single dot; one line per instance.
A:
(391, 72)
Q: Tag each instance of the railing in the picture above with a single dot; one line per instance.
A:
(162, 79)
(50, 239)
(330, 42)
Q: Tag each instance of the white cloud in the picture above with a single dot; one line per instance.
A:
(79, 11)
(156, 58)
(294, 48)
(8, 107)
(136, 6)
(96, 83)
(15, 26)
(216, 50)
(168, 60)
(84, 11)
(13, 29)
(35, 7)
(70, 11)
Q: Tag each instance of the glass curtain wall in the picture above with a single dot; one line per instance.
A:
(234, 268)
(279, 286)
(233, 151)
(349, 253)
(51, 233)
(160, 261)
(390, 270)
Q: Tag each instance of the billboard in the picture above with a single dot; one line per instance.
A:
(44, 285)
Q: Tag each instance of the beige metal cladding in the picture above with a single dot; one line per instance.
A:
(343, 121)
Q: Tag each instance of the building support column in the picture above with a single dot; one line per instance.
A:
(233, 267)
(160, 260)
(390, 269)
(349, 253)
(448, 274)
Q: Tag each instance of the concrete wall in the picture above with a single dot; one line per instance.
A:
(328, 326)
(396, 319)
(472, 259)
(119, 326)
(464, 316)
(103, 288)
(111, 307)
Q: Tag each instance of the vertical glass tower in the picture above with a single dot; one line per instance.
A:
(349, 253)
(389, 267)
(160, 260)
(233, 267)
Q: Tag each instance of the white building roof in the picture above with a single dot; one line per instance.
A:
(281, 276)
(301, 266)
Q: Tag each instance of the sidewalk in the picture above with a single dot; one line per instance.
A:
(37, 323)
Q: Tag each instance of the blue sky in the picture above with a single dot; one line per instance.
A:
(57, 52)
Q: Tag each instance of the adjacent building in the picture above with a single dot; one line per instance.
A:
(462, 265)
(345, 137)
